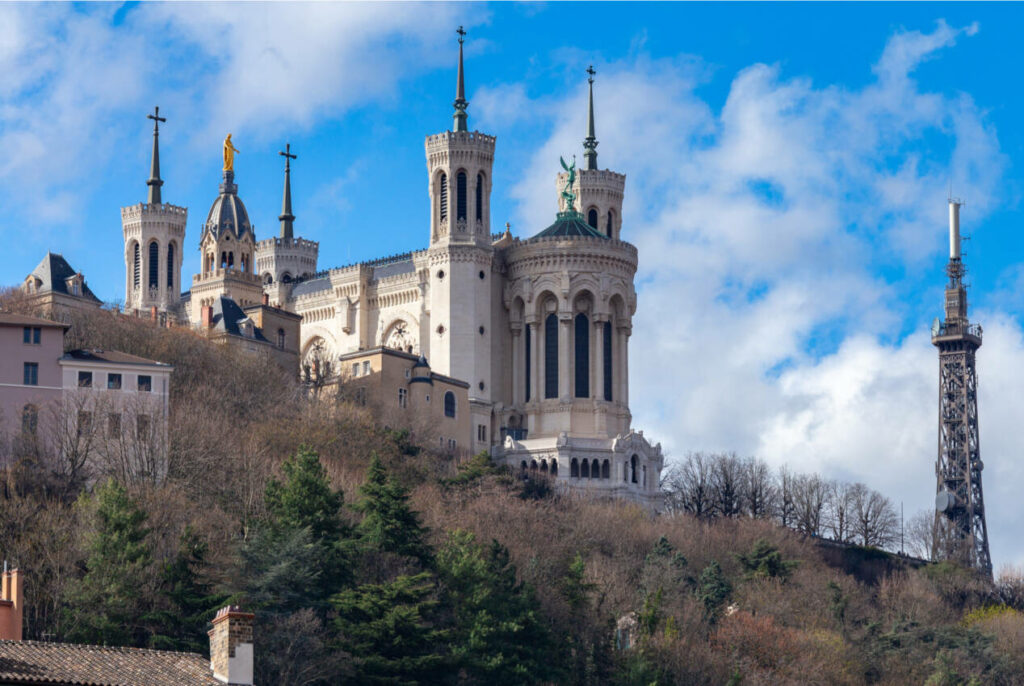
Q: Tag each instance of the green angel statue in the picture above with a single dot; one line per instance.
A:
(567, 194)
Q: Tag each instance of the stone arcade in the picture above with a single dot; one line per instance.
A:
(539, 327)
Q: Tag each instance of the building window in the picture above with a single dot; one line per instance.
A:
(444, 197)
(481, 433)
(170, 267)
(606, 470)
(592, 218)
(479, 198)
(142, 427)
(608, 225)
(366, 367)
(607, 343)
(84, 423)
(427, 397)
(361, 396)
(31, 373)
(585, 469)
(280, 339)
(31, 335)
(526, 362)
(113, 425)
(135, 267)
(632, 469)
(146, 383)
(449, 404)
(451, 445)
(113, 382)
(551, 356)
(403, 398)
(85, 379)
(29, 419)
(460, 196)
(355, 369)
(154, 264)
(582, 356)
(408, 373)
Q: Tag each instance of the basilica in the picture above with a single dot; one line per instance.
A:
(523, 342)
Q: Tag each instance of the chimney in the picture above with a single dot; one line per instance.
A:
(11, 605)
(152, 313)
(266, 299)
(231, 646)
(207, 314)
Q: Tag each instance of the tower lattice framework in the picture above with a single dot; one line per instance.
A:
(960, 530)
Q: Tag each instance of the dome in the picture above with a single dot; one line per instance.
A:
(421, 372)
(570, 223)
(228, 212)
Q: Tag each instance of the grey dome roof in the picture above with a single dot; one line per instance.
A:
(570, 223)
(228, 212)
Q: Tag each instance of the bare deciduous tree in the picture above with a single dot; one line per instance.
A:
(877, 523)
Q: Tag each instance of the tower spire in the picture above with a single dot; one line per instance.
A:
(460, 90)
(590, 142)
(286, 204)
(154, 181)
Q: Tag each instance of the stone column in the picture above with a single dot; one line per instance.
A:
(537, 361)
(518, 360)
(597, 375)
(624, 359)
(564, 372)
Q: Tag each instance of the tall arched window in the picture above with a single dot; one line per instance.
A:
(231, 259)
(632, 468)
(608, 225)
(449, 404)
(154, 264)
(607, 343)
(479, 197)
(595, 469)
(551, 356)
(526, 364)
(592, 217)
(574, 468)
(170, 266)
(136, 267)
(444, 196)
(585, 469)
(460, 196)
(606, 470)
(29, 419)
(582, 339)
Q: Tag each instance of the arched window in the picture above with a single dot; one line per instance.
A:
(606, 470)
(444, 196)
(625, 472)
(154, 264)
(231, 259)
(574, 468)
(595, 469)
(551, 356)
(608, 225)
(223, 259)
(280, 339)
(632, 468)
(582, 356)
(526, 365)
(170, 266)
(449, 404)
(533, 465)
(479, 197)
(592, 217)
(607, 343)
(29, 419)
(585, 469)
(460, 195)
(136, 267)
(554, 467)
(522, 465)
(544, 466)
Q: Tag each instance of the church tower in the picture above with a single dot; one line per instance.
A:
(599, 192)
(227, 245)
(284, 258)
(153, 235)
(460, 257)
(961, 533)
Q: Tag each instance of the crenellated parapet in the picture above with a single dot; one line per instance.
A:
(599, 196)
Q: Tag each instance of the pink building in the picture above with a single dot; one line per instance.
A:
(30, 379)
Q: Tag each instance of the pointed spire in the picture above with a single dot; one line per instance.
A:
(286, 204)
(590, 142)
(154, 181)
(460, 91)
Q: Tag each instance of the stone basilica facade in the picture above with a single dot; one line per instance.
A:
(538, 327)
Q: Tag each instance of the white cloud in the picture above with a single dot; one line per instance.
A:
(763, 323)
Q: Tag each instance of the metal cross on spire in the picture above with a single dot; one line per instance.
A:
(590, 142)
(154, 181)
(460, 90)
(287, 218)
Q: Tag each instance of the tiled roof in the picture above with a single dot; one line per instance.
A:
(24, 320)
(68, 664)
(109, 356)
(53, 272)
(570, 223)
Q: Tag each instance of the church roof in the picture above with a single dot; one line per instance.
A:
(228, 212)
(570, 223)
(54, 271)
(227, 316)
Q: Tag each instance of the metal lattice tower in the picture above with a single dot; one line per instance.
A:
(960, 530)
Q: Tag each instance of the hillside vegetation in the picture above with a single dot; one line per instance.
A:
(369, 559)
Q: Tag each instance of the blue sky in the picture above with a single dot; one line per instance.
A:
(787, 170)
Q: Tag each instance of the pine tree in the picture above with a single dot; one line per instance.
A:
(389, 524)
(389, 631)
(305, 498)
(713, 589)
(105, 606)
(498, 636)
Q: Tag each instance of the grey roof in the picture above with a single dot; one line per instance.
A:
(110, 356)
(227, 315)
(570, 223)
(228, 213)
(315, 285)
(10, 319)
(394, 269)
(53, 271)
